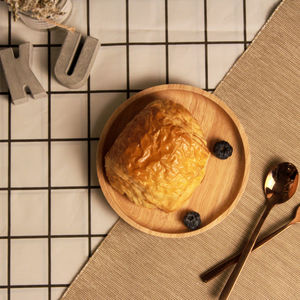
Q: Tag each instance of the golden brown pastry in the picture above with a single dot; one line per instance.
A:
(159, 158)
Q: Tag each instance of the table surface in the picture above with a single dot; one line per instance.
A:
(52, 212)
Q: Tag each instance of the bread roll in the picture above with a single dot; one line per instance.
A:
(159, 158)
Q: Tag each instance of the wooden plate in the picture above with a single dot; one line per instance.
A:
(224, 182)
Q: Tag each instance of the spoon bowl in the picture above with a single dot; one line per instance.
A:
(281, 183)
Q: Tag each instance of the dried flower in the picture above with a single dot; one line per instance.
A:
(39, 9)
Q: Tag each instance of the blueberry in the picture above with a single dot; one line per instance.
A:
(192, 220)
(222, 150)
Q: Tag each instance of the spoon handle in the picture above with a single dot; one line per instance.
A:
(219, 268)
(244, 255)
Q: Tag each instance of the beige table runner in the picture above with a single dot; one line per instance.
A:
(263, 89)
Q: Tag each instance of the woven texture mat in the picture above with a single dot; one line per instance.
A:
(263, 89)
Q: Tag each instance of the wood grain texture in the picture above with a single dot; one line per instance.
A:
(224, 182)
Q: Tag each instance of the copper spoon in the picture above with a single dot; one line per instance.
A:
(218, 269)
(280, 185)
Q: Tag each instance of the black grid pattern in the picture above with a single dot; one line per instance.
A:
(89, 187)
(49, 166)
(9, 181)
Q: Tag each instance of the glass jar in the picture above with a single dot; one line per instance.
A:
(34, 23)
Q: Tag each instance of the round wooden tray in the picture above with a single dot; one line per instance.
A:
(224, 182)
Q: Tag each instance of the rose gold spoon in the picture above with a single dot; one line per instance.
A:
(280, 185)
(218, 269)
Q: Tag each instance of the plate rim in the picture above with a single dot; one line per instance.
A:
(189, 88)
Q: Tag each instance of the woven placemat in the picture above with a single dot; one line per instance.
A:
(263, 89)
